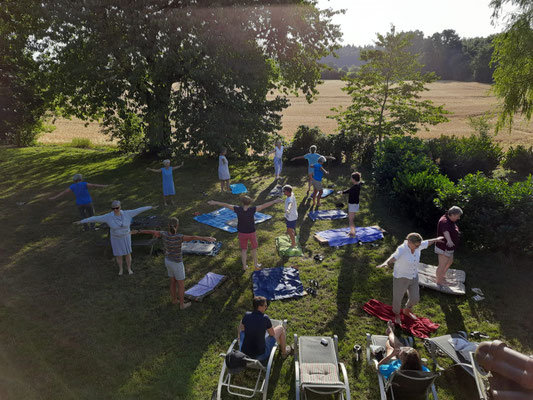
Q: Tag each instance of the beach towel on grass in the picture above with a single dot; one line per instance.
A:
(421, 327)
(201, 248)
(277, 283)
(206, 286)
(327, 214)
(223, 217)
(283, 244)
(339, 237)
(454, 279)
(238, 188)
(326, 192)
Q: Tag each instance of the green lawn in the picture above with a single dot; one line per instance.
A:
(70, 328)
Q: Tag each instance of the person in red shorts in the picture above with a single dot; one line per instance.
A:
(447, 227)
(246, 225)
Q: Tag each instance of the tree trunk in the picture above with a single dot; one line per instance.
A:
(157, 118)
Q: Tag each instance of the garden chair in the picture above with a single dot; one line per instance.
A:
(317, 366)
(442, 344)
(262, 370)
(402, 384)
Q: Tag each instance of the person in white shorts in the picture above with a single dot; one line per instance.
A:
(353, 200)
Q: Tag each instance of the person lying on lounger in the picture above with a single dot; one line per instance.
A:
(253, 329)
(399, 357)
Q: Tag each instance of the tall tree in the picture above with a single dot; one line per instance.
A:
(513, 58)
(190, 75)
(386, 92)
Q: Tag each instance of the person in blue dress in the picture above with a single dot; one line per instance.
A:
(168, 180)
(83, 198)
(312, 158)
(399, 357)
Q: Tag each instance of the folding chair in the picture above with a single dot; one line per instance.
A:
(402, 384)
(442, 344)
(317, 365)
(263, 369)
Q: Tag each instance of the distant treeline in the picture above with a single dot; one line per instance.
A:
(444, 53)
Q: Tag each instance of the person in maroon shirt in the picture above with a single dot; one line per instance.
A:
(447, 227)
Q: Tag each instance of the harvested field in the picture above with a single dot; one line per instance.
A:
(463, 99)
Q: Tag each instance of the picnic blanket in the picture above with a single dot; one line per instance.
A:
(420, 327)
(277, 283)
(326, 192)
(238, 188)
(454, 279)
(327, 214)
(339, 237)
(201, 248)
(223, 218)
(206, 286)
(283, 244)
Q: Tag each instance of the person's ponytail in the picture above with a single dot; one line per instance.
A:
(173, 225)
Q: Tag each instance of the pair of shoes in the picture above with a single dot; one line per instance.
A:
(185, 305)
(318, 257)
(314, 283)
(311, 291)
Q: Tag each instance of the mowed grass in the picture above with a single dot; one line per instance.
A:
(463, 99)
(70, 328)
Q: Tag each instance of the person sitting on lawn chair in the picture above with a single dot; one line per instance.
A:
(399, 357)
(257, 337)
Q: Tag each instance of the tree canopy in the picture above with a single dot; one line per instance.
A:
(188, 75)
(513, 57)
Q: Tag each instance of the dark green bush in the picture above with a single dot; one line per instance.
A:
(415, 194)
(304, 138)
(457, 157)
(403, 154)
(497, 215)
(520, 160)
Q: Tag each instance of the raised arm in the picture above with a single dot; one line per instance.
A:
(137, 211)
(187, 238)
(268, 204)
(179, 166)
(329, 157)
(60, 194)
(219, 203)
(153, 170)
(147, 232)
(96, 218)
(95, 185)
(298, 158)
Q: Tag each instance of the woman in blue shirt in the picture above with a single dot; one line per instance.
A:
(312, 158)
(168, 180)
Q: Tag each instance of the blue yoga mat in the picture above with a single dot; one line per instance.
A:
(206, 286)
(326, 193)
(327, 214)
(238, 188)
(339, 237)
(277, 283)
(220, 218)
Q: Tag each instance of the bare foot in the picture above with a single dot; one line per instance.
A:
(409, 314)
(390, 327)
(175, 301)
(185, 305)
(397, 320)
(244, 267)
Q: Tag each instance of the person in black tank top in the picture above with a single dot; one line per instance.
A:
(353, 200)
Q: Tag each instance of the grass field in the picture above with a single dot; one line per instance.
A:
(463, 99)
(70, 328)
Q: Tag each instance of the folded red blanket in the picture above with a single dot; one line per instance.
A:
(420, 327)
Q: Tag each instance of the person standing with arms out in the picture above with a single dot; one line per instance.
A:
(83, 198)
(172, 241)
(278, 155)
(168, 180)
(318, 173)
(223, 170)
(246, 226)
(353, 200)
(312, 158)
(447, 227)
(405, 276)
(119, 222)
(291, 213)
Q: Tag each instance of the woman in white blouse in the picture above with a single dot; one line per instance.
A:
(119, 222)
(405, 276)
(278, 154)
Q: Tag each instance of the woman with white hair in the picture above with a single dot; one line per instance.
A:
(83, 198)
(168, 179)
(119, 222)
(447, 227)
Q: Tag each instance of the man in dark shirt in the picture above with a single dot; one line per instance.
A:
(257, 336)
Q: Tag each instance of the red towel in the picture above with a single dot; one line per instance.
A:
(420, 327)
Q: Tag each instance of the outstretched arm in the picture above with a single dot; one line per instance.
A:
(323, 170)
(219, 203)
(437, 239)
(96, 218)
(153, 170)
(179, 166)
(330, 157)
(390, 261)
(263, 206)
(298, 158)
(148, 232)
(95, 185)
(187, 238)
(60, 194)
(137, 211)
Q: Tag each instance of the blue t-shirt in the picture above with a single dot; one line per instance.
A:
(81, 192)
(317, 173)
(255, 326)
(387, 369)
(312, 158)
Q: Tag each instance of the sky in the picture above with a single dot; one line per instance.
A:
(364, 18)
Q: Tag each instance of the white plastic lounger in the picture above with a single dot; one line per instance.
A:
(454, 279)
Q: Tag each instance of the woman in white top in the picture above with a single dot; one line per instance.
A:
(278, 154)
(405, 276)
(119, 222)
(223, 170)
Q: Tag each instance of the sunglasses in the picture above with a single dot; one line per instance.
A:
(115, 208)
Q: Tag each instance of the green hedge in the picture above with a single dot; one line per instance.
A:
(520, 160)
